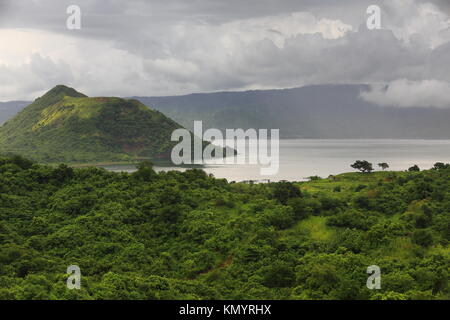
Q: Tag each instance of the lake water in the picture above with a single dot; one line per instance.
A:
(302, 158)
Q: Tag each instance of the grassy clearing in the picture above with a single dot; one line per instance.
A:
(316, 229)
(345, 184)
(398, 248)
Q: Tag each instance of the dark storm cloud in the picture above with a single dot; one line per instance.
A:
(178, 46)
(443, 4)
(49, 13)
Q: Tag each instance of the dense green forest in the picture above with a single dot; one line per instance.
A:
(187, 235)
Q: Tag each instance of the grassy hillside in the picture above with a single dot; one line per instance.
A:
(65, 125)
(185, 235)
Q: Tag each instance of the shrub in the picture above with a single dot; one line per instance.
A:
(423, 237)
(279, 276)
(284, 190)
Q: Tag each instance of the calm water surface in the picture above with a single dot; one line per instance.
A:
(301, 158)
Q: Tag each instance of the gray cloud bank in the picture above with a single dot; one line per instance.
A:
(174, 47)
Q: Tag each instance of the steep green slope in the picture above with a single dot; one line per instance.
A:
(65, 125)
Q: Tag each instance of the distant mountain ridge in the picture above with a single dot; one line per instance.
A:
(66, 125)
(319, 111)
(10, 109)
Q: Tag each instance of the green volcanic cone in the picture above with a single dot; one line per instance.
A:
(65, 125)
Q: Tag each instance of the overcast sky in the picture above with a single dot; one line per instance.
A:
(168, 47)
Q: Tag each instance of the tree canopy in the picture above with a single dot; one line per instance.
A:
(363, 166)
(187, 235)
